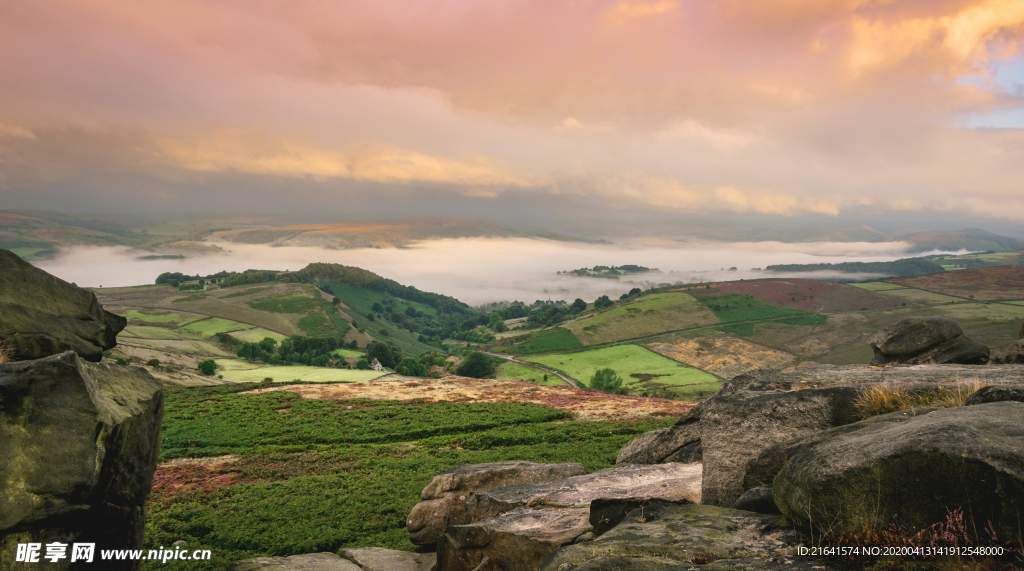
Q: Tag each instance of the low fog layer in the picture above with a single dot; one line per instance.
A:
(484, 270)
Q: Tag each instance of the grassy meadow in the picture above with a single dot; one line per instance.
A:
(321, 475)
(641, 370)
(517, 372)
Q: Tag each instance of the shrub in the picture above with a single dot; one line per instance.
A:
(153, 363)
(363, 364)
(5, 353)
(207, 367)
(602, 302)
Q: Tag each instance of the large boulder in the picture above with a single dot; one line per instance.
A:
(41, 315)
(912, 470)
(669, 481)
(1011, 353)
(734, 428)
(926, 340)
(672, 536)
(379, 559)
(445, 496)
(78, 447)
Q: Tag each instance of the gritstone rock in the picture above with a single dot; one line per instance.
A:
(668, 536)
(996, 394)
(41, 315)
(444, 497)
(926, 340)
(378, 559)
(757, 500)
(912, 471)
(1011, 353)
(78, 447)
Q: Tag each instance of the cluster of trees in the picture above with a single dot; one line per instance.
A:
(298, 349)
(176, 279)
(390, 357)
(610, 271)
(478, 366)
(633, 292)
(899, 268)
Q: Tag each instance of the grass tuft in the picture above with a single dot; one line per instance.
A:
(885, 398)
(5, 353)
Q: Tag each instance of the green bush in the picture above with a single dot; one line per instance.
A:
(607, 381)
(207, 367)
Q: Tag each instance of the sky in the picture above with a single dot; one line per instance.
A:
(821, 110)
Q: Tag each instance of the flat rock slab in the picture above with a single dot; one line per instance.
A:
(673, 536)
(519, 540)
(380, 559)
(668, 481)
(444, 498)
(308, 562)
(491, 475)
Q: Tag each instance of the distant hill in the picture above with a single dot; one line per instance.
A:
(386, 233)
(968, 239)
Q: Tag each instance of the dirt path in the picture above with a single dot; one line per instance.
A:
(568, 380)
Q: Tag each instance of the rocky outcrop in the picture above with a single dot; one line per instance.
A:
(516, 527)
(669, 537)
(926, 340)
(911, 470)
(996, 394)
(1011, 353)
(520, 540)
(41, 315)
(78, 447)
(758, 410)
(445, 496)
(669, 481)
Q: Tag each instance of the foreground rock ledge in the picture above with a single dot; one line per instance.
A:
(670, 536)
(78, 447)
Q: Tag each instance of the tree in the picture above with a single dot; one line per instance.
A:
(476, 365)
(579, 304)
(410, 311)
(608, 381)
(496, 323)
(376, 308)
(412, 367)
(207, 367)
(383, 353)
(268, 344)
(363, 364)
(335, 300)
(603, 302)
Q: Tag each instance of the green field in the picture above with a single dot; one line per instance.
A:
(287, 374)
(320, 475)
(741, 307)
(650, 315)
(294, 303)
(211, 326)
(256, 335)
(152, 332)
(629, 360)
(134, 315)
(545, 341)
(517, 372)
(348, 353)
(878, 286)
